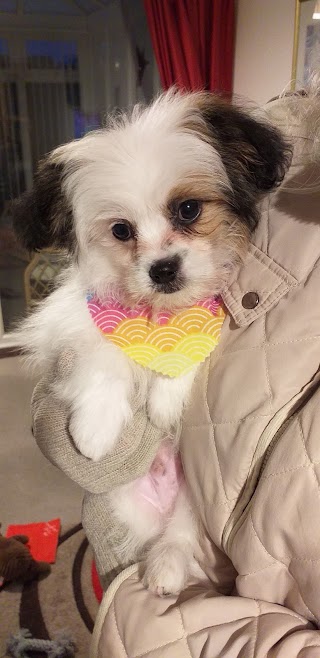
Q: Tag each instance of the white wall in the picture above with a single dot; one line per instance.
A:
(264, 47)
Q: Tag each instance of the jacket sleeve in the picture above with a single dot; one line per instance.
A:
(131, 458)
(198, 624)
(276, 552)
(281, 528)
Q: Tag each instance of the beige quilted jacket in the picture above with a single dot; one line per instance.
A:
(251, 452)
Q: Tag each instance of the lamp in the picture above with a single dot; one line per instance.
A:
(316, 12)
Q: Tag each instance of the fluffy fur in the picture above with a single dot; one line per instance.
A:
(138, 171)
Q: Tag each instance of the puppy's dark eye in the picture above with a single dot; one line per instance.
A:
(122, 231)
(189, 211)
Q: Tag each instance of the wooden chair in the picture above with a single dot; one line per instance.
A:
(41, 274)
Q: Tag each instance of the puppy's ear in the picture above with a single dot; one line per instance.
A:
(42, 218)
(255, 155)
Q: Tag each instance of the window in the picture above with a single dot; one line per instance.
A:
(55, 7)
(10, 6)
(4, 54)
(67, 64)
(51, 54)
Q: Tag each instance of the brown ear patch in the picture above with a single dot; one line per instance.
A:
(255, 154)
(42, 217)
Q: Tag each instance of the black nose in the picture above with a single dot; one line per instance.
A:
(165, 270)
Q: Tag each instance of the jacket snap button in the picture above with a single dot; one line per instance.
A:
(250, 300)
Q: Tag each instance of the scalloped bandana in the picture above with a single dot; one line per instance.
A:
(170, 344)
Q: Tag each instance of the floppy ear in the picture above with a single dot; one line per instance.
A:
(255, 155)
(42, 218)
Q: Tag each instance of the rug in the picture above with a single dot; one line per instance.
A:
(65, 600)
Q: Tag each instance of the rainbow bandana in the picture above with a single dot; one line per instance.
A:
(171, 344)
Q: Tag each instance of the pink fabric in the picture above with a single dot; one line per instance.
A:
(161, 484)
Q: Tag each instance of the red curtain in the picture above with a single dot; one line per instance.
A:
(193, 41)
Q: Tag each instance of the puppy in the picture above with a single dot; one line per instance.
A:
(157, 208)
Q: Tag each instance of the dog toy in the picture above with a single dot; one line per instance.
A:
(171, 344)
(21, 644)
(16, 561)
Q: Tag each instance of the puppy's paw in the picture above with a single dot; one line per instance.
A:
(91, 442)
(96, 433)
(167, 570)
(164, 409)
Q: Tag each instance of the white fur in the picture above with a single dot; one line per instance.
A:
(170, 563)
(127, 172)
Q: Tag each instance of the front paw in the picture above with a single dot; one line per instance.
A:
(164, 409)
(95, 434)
(167, 570)
(90, 441)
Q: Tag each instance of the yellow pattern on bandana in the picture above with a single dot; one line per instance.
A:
(170, 344)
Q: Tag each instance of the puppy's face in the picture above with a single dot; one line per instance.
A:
(151, 216)
(161, 204)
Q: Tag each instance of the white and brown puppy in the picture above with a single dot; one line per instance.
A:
(159, 205)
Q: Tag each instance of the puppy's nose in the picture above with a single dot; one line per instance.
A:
(165, 270)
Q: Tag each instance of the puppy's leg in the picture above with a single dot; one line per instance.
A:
(170, 563)
(98, 392)
(141, 520)
(167, 398)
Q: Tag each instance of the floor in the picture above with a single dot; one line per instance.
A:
(31, 489)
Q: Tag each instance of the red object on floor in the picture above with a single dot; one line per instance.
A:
(96, 583)
(43, 538)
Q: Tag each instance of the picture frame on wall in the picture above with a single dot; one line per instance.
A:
(306, 50)
(312, 50)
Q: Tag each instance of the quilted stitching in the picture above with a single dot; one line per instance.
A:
(307, 611)
(181, 640)
(213, 443)
(254, 626)
(267, 346)
(267, 365)
(255, 632)
(155, 649)
(121, 645)
(263, 548)
(155, 652)
(185, 634)
(220, 473)
(310, 571)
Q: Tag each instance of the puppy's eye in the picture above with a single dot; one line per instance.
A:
(189, 211)
(122, 231)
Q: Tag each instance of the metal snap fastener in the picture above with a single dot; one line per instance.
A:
(250, 300)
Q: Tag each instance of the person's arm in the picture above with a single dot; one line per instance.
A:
(130, 459)
(199, 623)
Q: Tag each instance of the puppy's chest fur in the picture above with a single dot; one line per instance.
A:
(105, 387)
(125, 386)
